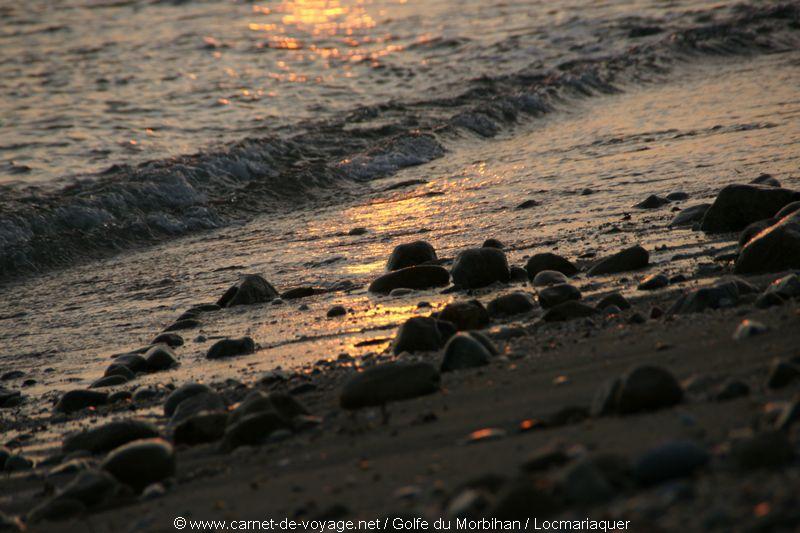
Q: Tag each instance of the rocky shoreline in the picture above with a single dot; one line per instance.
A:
(675, 408)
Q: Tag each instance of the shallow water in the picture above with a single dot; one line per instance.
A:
(62, 327)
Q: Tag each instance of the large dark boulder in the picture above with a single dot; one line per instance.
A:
(738, 206)
(410, 254)
(775, 249)
(250, 289)
(413, 277)
(479, 267)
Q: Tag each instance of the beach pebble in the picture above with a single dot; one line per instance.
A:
(511, 304)
(527, 204)
(12, 374)
(173, 340)
(782, 373)
(115, 369)
(652, 202)
(751, 231)
(492, 243)
(557, 294)
(653, 282)
(749, 328)
(545, 278)
(90, 487)
(160, 357)
(615, 299)
(464, 351)
(786, 287)
(336, 311)
(146, 393)
(478, 267)
(465, 315)
(737, 206)
(185, 391)
(109, 381)
(422, 334)
(633, 258)
(549, 261)
(773, 250)
(411, 254)
(677, 196)
(787, 210)
(518, 274)
(414, 277)
(108, 436)
(75, 400)
(140, 463)
(133, 361)
(119, 396)
(389, 382)
(719, 296)
(9, 397)
(231, 347)
(732, 389)
(569, 310)
(250, 289)
(643, 388)
(17, 462)
(354, 232)
(766, 179)
(197, 403)
(299, 292)
(253, 430)
(669, 461)
(690, 215)
(200, 428)
(182, 324)
(771, 449)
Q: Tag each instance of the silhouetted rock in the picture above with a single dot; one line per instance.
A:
(250, 289)
(569, 310)
(633, 258)
(465, 315)
(549, 261)
(668, 461)
(652, 202)
(492, 243)
(231, 348)
(422, 334)
(545, 278)
(140, 463)
(644, 388)
(463, 351)
(389, 382)
(653, 282)
(616, 299)
(690, 215)
(182, 393)
(110, 435)
(511, 304)
(558, 294)
(203, 427)
(75, 400)
(414, 277)
(160, 357)
(737, 206)
(411, 254)
(775, 249)
(173, 340)
(479, 267)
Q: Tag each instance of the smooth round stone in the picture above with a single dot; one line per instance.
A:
(749, 328)
(558, 294)
(478, 267)
(389, 382)
(465, 315)
(173, 340)
(422, 334)
(185, 391)
(653, 282)
(133, 361)
(160, 357)
(250, 289)
(411, 254)
(546, 278)
(231, 348)
(253, 430)
(633, 258)
(75, 400)
(109, 436)
(511, 304)
(771, 449)
(417, 277)
(569, 310)
(549, 261)
(108, 381)
(493, 243)
(140, 463)
(463, 351)
(615, 299)
(669, 461)
(206, 401)
(648, 388)
(201, 428)
(119, 370)
(336, 311)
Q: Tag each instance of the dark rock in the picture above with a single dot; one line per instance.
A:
(549, 261)
(518, 274)
(108, 436)
(203, 427)
(197, 403)
(771, 449)
(486, 341)
(336, 311)
(132, 361)
(637, 318)
(253, 429)
(737, 206)
(719, 296)
(465, 315)
(389, 382)
(90, 487)
(766, 179)
(767, 300)
(787, 210)
(782, 373)
(231, 347)
(301, 292)
(109, 381)
(173, 340)
(160, 357)
(250, 289)
(140, 463)
(656, 312)
(545, 278)
(119, 396)
(558, 294)
(479, 267)
(180, 325)
(749, 328)
(569, 310)
(732, 389)
(614, 298)
(514, 303)
(5, 453)
(672, 460)
(414, 277)
(492, 243)
(411, 254)
(652, 202)
(75, 400)
(633, 258)
(653, 282)
(145, 394)
(752, 230)
(677, 196)
(54, 510)
(422, 334)
(775, 249)
(690, 215)
(357, 231)
(9, 398)
(464, 351)
(12, 374)
(182, 393)
(785, 287)
(18, 463)
(527, 204)
(644, 388)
